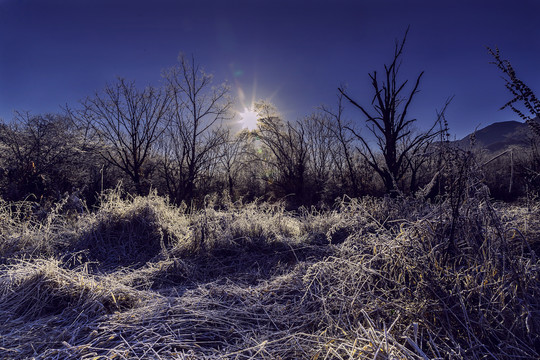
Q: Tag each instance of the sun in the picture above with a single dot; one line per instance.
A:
(248, 119)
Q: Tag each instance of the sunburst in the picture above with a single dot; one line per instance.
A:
(248, 118)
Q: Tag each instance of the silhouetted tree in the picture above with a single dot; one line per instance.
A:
(288, 150)
(420, 156)
(128, 122)
(195, 135)
(343, 153)
(320, 145)
(390, 124)
(234, 158)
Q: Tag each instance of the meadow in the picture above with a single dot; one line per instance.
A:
(370, 278)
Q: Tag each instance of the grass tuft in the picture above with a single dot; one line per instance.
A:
(129, 231)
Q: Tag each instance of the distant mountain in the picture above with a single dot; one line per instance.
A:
(498, 136)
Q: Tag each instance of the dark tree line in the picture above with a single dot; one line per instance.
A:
(179, 139)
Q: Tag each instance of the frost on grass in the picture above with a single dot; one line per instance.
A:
(369, 279)
(129, 231)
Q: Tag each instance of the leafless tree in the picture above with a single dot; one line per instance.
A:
(389, 123)
(235, 158)
(420, 156)
(320, 144)
(198, 110)
(343, 157)
(288, 148)
(128, 122)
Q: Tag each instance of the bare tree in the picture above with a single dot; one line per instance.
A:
(198, 110)
(320, 144)
(389, 123)
(338, 128)
(420, 156)
(128, 122)
(234, 158)
(288, 147)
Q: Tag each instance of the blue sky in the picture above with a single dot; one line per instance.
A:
(295, 53)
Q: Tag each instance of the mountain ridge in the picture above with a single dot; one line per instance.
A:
(497, 136)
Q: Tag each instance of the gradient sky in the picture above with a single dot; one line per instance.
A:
(295, 53)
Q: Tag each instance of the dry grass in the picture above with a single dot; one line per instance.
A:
(28, 231)
(130, 231)
(371, 279)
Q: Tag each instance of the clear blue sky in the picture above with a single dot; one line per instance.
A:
(56, 52)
